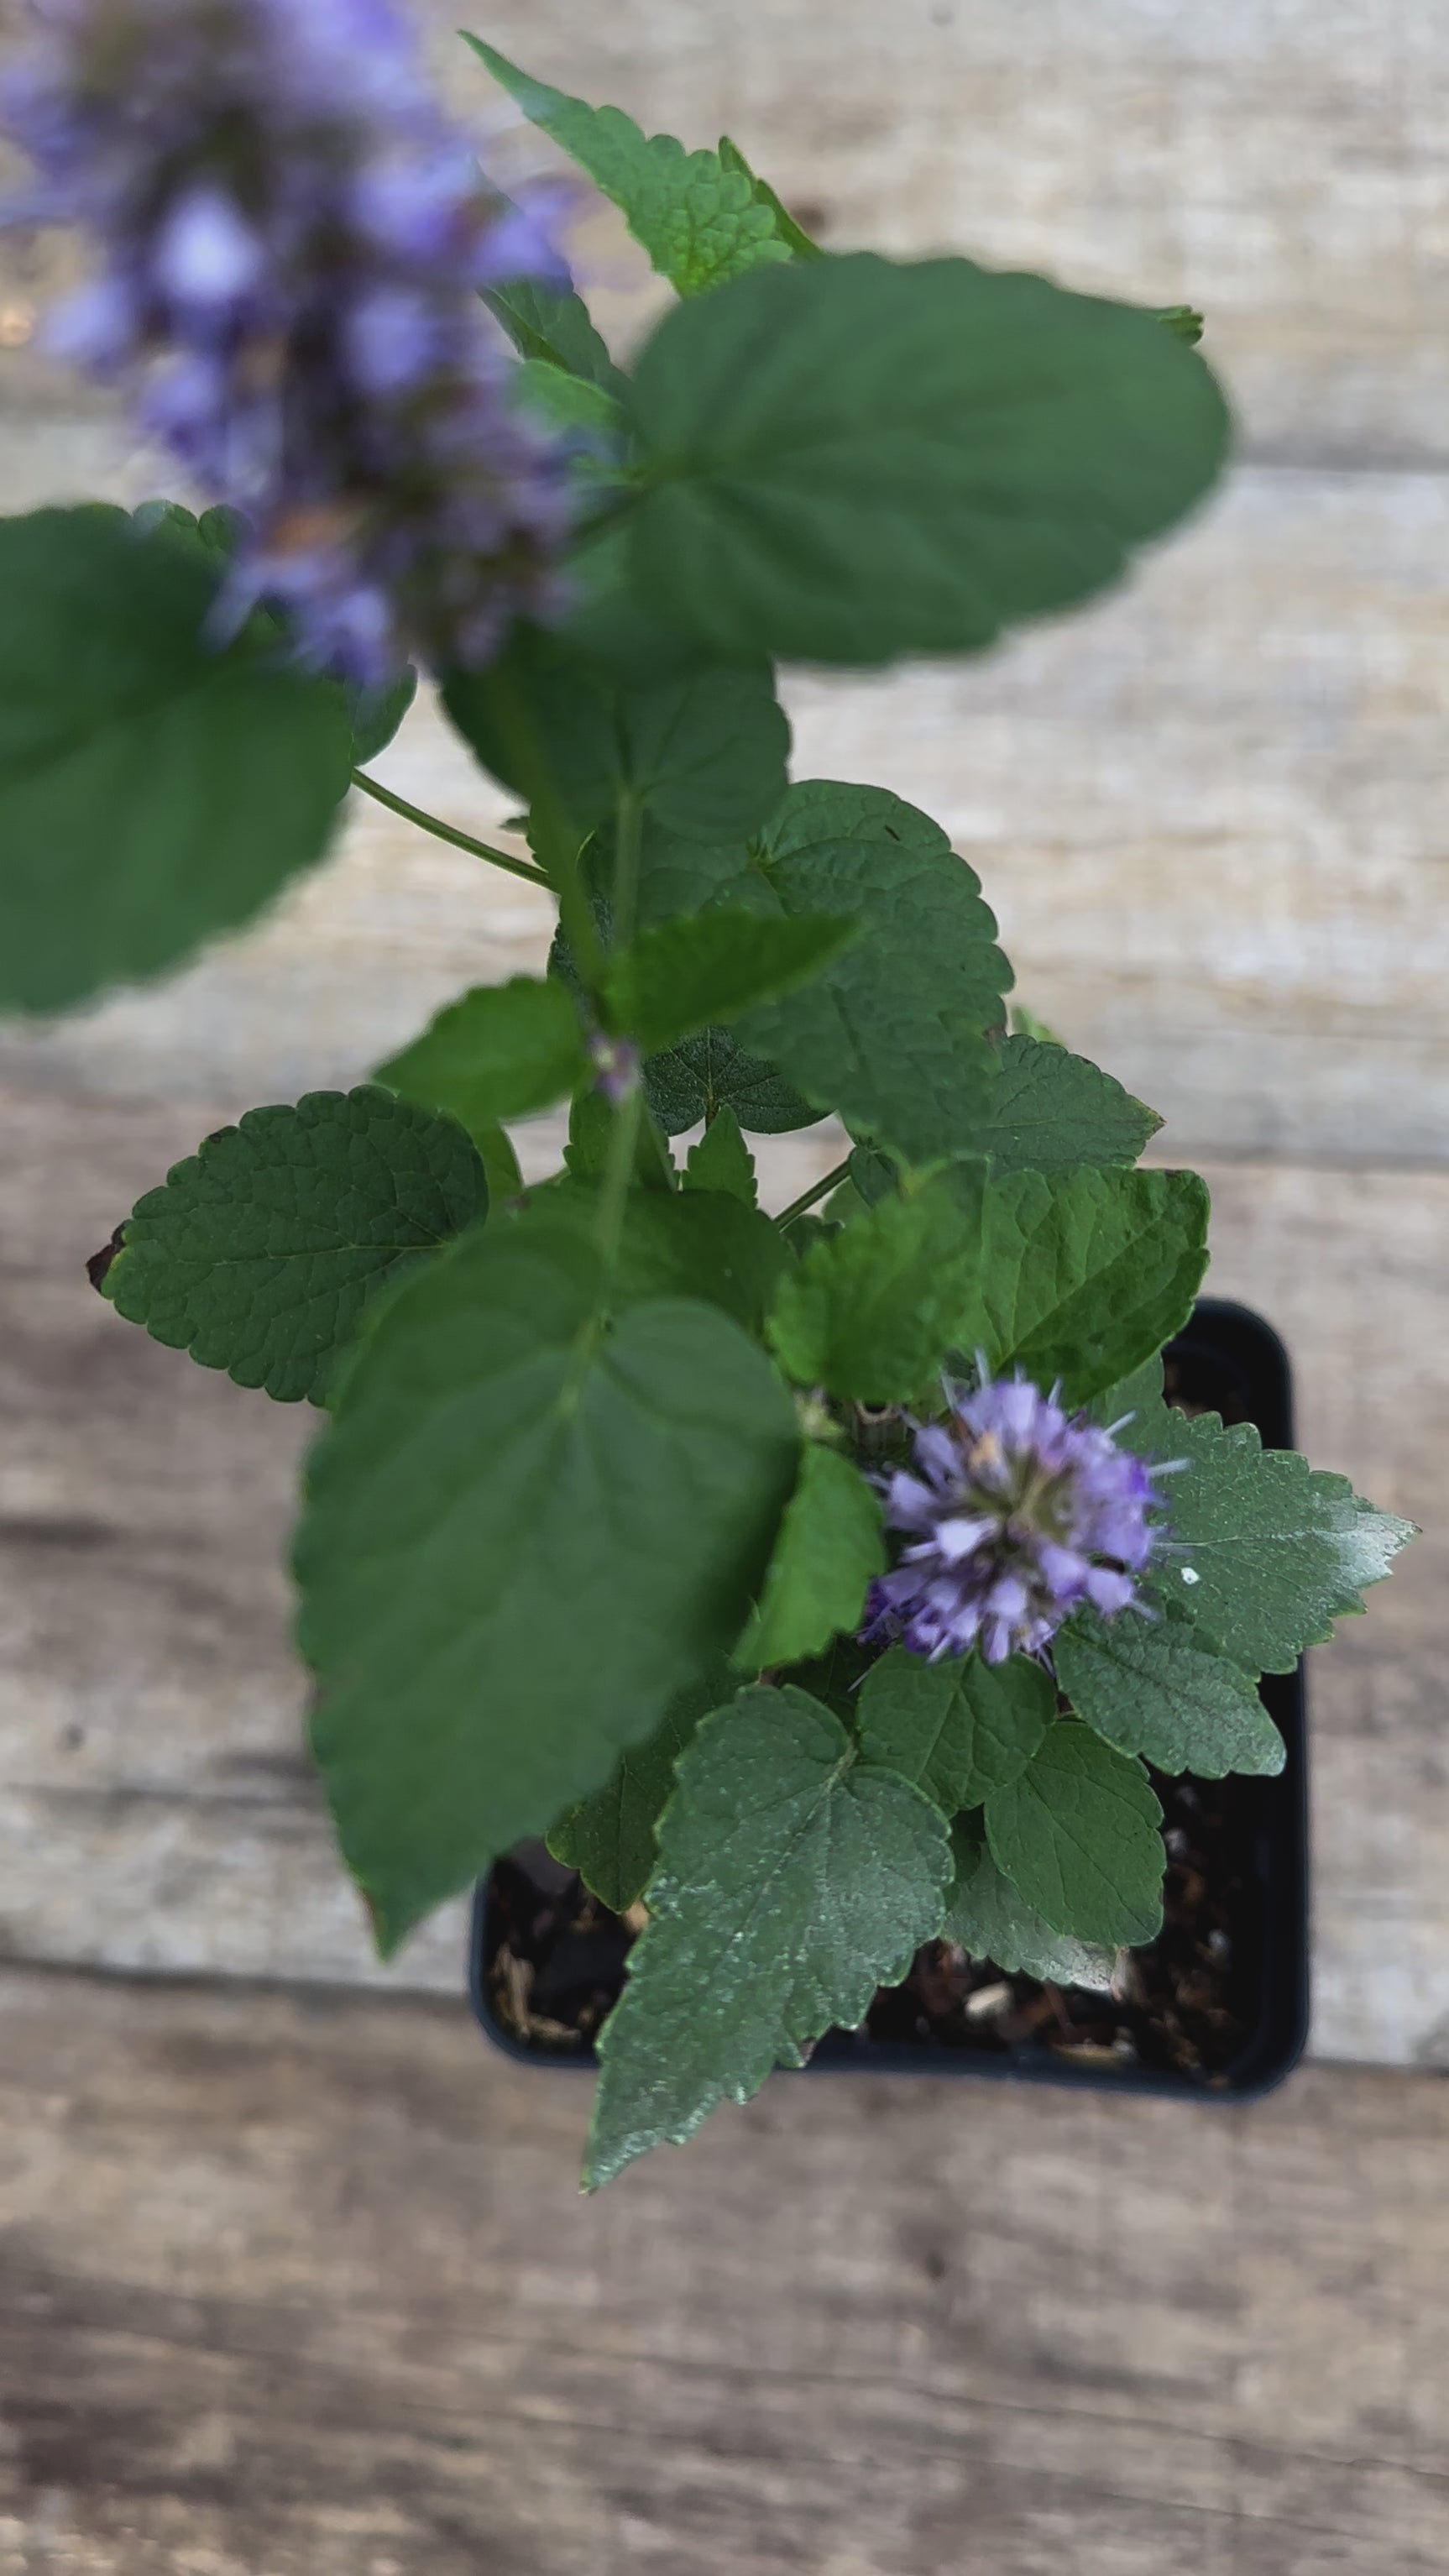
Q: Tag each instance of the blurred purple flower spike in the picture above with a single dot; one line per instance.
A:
(1016, 1513)
(293, 237)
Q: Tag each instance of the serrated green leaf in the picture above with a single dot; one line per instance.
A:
(523, 1534)
(1162, 1689)
(609, 1838)
(376, 715)
(503, 1051)
(703, 754)
(847, 461)
(1263, 1549)
(155, 790)
(698, 221)
(892, 1035)
(871, 1312)
(987, 1918)
(550, 323)
(721, 1160)
(1078, 1835)
(1051, 1111)
(794, 237)
(793, 1880)
(260, 1252)
(697, 1243)
(706, 1074)
(707, 969)
(1083, 1274)
(960, 1728)
(829, 1548)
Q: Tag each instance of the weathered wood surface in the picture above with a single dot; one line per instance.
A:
(155, 1811)
(301, 2287)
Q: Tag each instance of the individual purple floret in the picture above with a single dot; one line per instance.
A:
(292, 238)
(1018, 1512)
(616, 1068)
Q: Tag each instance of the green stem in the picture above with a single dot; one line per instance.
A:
(618, 1173)
(808, 1198)
(628, 840)
(448, 832)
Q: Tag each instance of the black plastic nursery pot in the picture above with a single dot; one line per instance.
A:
(1216, 2008)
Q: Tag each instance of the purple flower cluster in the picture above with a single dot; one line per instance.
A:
(1018, 1513)
(292, 239)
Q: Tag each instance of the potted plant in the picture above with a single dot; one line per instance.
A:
(819, 1581)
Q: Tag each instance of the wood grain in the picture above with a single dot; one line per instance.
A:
(302, 2287)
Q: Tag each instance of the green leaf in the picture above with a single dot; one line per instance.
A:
(847, 461)
(609, 1838)
(828, 1550)
(1265, 1550)
(696, 1243)
(593, 423)
(1182, 321)
(495, 1151)
(706, 969)
(712, 1072)
(987, 1918)
(793, 1880)
(721, 1160)
(376, 715)
(1051, 1111)
(503, 1051)
(1162, 1689)
(1083, 1275)
(591, 1127)
(523, 1535)
(155, 790)
(698, 220)
(892, 1035)
(703, 754)
(1025, 1024)
(550, 323)
(960, 1728)
(1078, 1835)
(260, 1251)
(872, 1311)
(789, 232)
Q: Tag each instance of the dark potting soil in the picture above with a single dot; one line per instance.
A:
(1182, 2009)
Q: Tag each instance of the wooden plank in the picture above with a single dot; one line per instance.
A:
(302, 2287)
(155, 1811)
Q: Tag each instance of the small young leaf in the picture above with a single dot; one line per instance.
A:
(793, 1880)
(848, 461)
(522, 1536)
(791, 233)
(871, 1312)
(550, 323)
(1078, 1835)
(155, 789)
(696, 1243)
(706, 969)
(703, 755)
(987, 1918)
(595, 424)
(698, 220)
(495, 1151)
(1051, 1111)
(721, 1160)
(591, 1130)
(260, 1252)
(892, 1035)
(712, 1072)
(1162, 1689)
(1265, 1550)
(609, 1838)
(829, 1548)
(1083, 1274)
(503, 1051)
(960, 1728)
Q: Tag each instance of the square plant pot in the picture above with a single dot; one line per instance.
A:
(1215, 2008)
